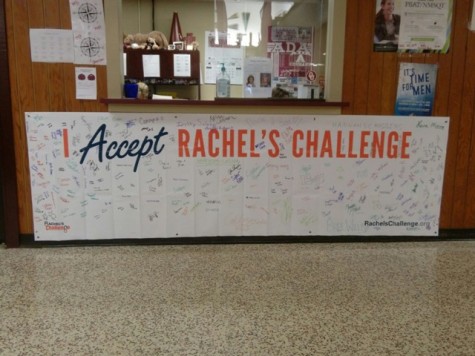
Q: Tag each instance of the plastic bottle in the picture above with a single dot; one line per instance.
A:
(223, 84)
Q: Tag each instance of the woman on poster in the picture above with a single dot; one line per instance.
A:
(386, 24)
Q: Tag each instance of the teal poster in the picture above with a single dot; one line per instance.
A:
(416, 89)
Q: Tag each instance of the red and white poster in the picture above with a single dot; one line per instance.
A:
(137, 175)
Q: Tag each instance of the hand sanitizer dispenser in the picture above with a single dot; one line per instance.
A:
(223, 84)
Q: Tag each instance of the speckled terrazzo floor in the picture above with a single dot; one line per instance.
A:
(413, 298)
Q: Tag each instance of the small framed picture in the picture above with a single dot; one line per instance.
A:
(171, 47)
(179, 46)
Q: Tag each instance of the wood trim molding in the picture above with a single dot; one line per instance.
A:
(230, 102)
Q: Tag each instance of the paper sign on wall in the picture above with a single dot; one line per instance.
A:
(86, 83)
(50, 45)
(416, 89)
(151, 65)
(87, 20)
(412, 26)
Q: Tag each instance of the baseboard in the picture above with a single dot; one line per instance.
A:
(27, 240)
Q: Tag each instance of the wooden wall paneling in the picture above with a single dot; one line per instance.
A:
(364, 48)
(469, 218)
(23, 101)
(441, 108)
(456, 73)
(56, 76)
(470, 196)
(102, 87)
(418, 58)
(38, 86)
(15, 99)
(11, 57)
(389, 83)
(375, 82)
(53, 13)
(38, 83)
(456, 149)
(441, 100)
(351, 36)
(431, 58)
(21, 70)
(465, 139)
(8, 182)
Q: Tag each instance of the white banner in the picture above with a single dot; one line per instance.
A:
(115, 176)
